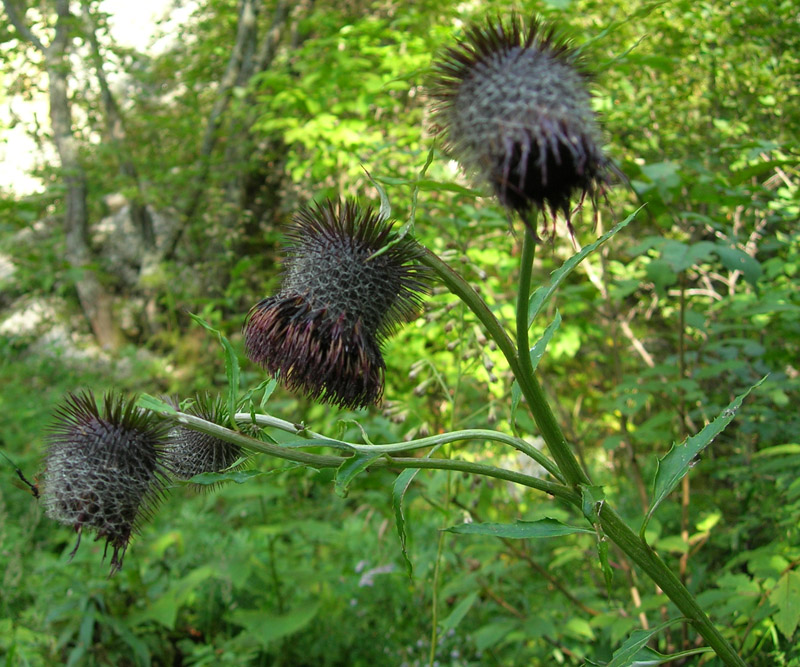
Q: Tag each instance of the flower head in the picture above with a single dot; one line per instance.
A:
(102, 470)
(512, 104)
(189, 452)
(340, 299)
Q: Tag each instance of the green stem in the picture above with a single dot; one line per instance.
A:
(324, 461)
(647, 559)
(616, 529)
(529, 384)
(317, 439)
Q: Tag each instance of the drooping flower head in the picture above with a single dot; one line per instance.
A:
(340, 299)
(512, 104)
(102, 471)
(189, 452)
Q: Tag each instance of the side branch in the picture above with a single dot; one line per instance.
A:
(21, 27)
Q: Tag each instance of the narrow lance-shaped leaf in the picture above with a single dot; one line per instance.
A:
(399, 489)
(677, 461)
(542, 295)
(536, 352)
(231, 367)
(626, 655)
(351, 468)
(520, 530)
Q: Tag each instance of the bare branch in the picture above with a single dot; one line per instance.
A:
(21, 27)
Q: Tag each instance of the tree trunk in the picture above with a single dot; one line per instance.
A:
(94, 299)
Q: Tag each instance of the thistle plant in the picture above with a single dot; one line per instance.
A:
(513, 106)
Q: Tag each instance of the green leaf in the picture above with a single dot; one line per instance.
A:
(648, 656)
(493, 633)
(605, 565)
(148, 402)
(592, 499)
(786, 597)
(266, 628)
(231, 367)
(677, 461)
(542, 295)
(682, 256)
(520, 530)
(385, 211)
(661, 274)
(399, 489)
(350, 469)
(538, 350)
(735, 259)
(459, 611)
(165, 608)
(237, 476)
(626, 654)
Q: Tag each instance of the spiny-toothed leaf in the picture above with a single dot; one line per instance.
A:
(351, 468)
(399, 489)
(542, 295)
(677, 461)
(626, 655)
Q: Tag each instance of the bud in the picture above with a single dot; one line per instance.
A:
(513, 107)
(322, 333)
(189, 452)
(102, 470)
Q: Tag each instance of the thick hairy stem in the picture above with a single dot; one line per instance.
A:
(647, 559)
(518, 359)
(531, 389)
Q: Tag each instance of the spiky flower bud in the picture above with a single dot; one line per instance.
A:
(102, 471)
(322, 333)
(513, 107)
(189, 452)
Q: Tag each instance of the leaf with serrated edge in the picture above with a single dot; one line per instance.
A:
(543, 294)
(351, 468)
(538, 350)
(399, 489)
(521, 530)
(625, 655)
(677, 461)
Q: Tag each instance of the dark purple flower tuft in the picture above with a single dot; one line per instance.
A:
(102, 471)
(513, 106)
(340, 299)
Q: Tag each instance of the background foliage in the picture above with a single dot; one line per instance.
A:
(696, 301)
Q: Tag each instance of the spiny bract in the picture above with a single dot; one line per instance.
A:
(189, 452)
